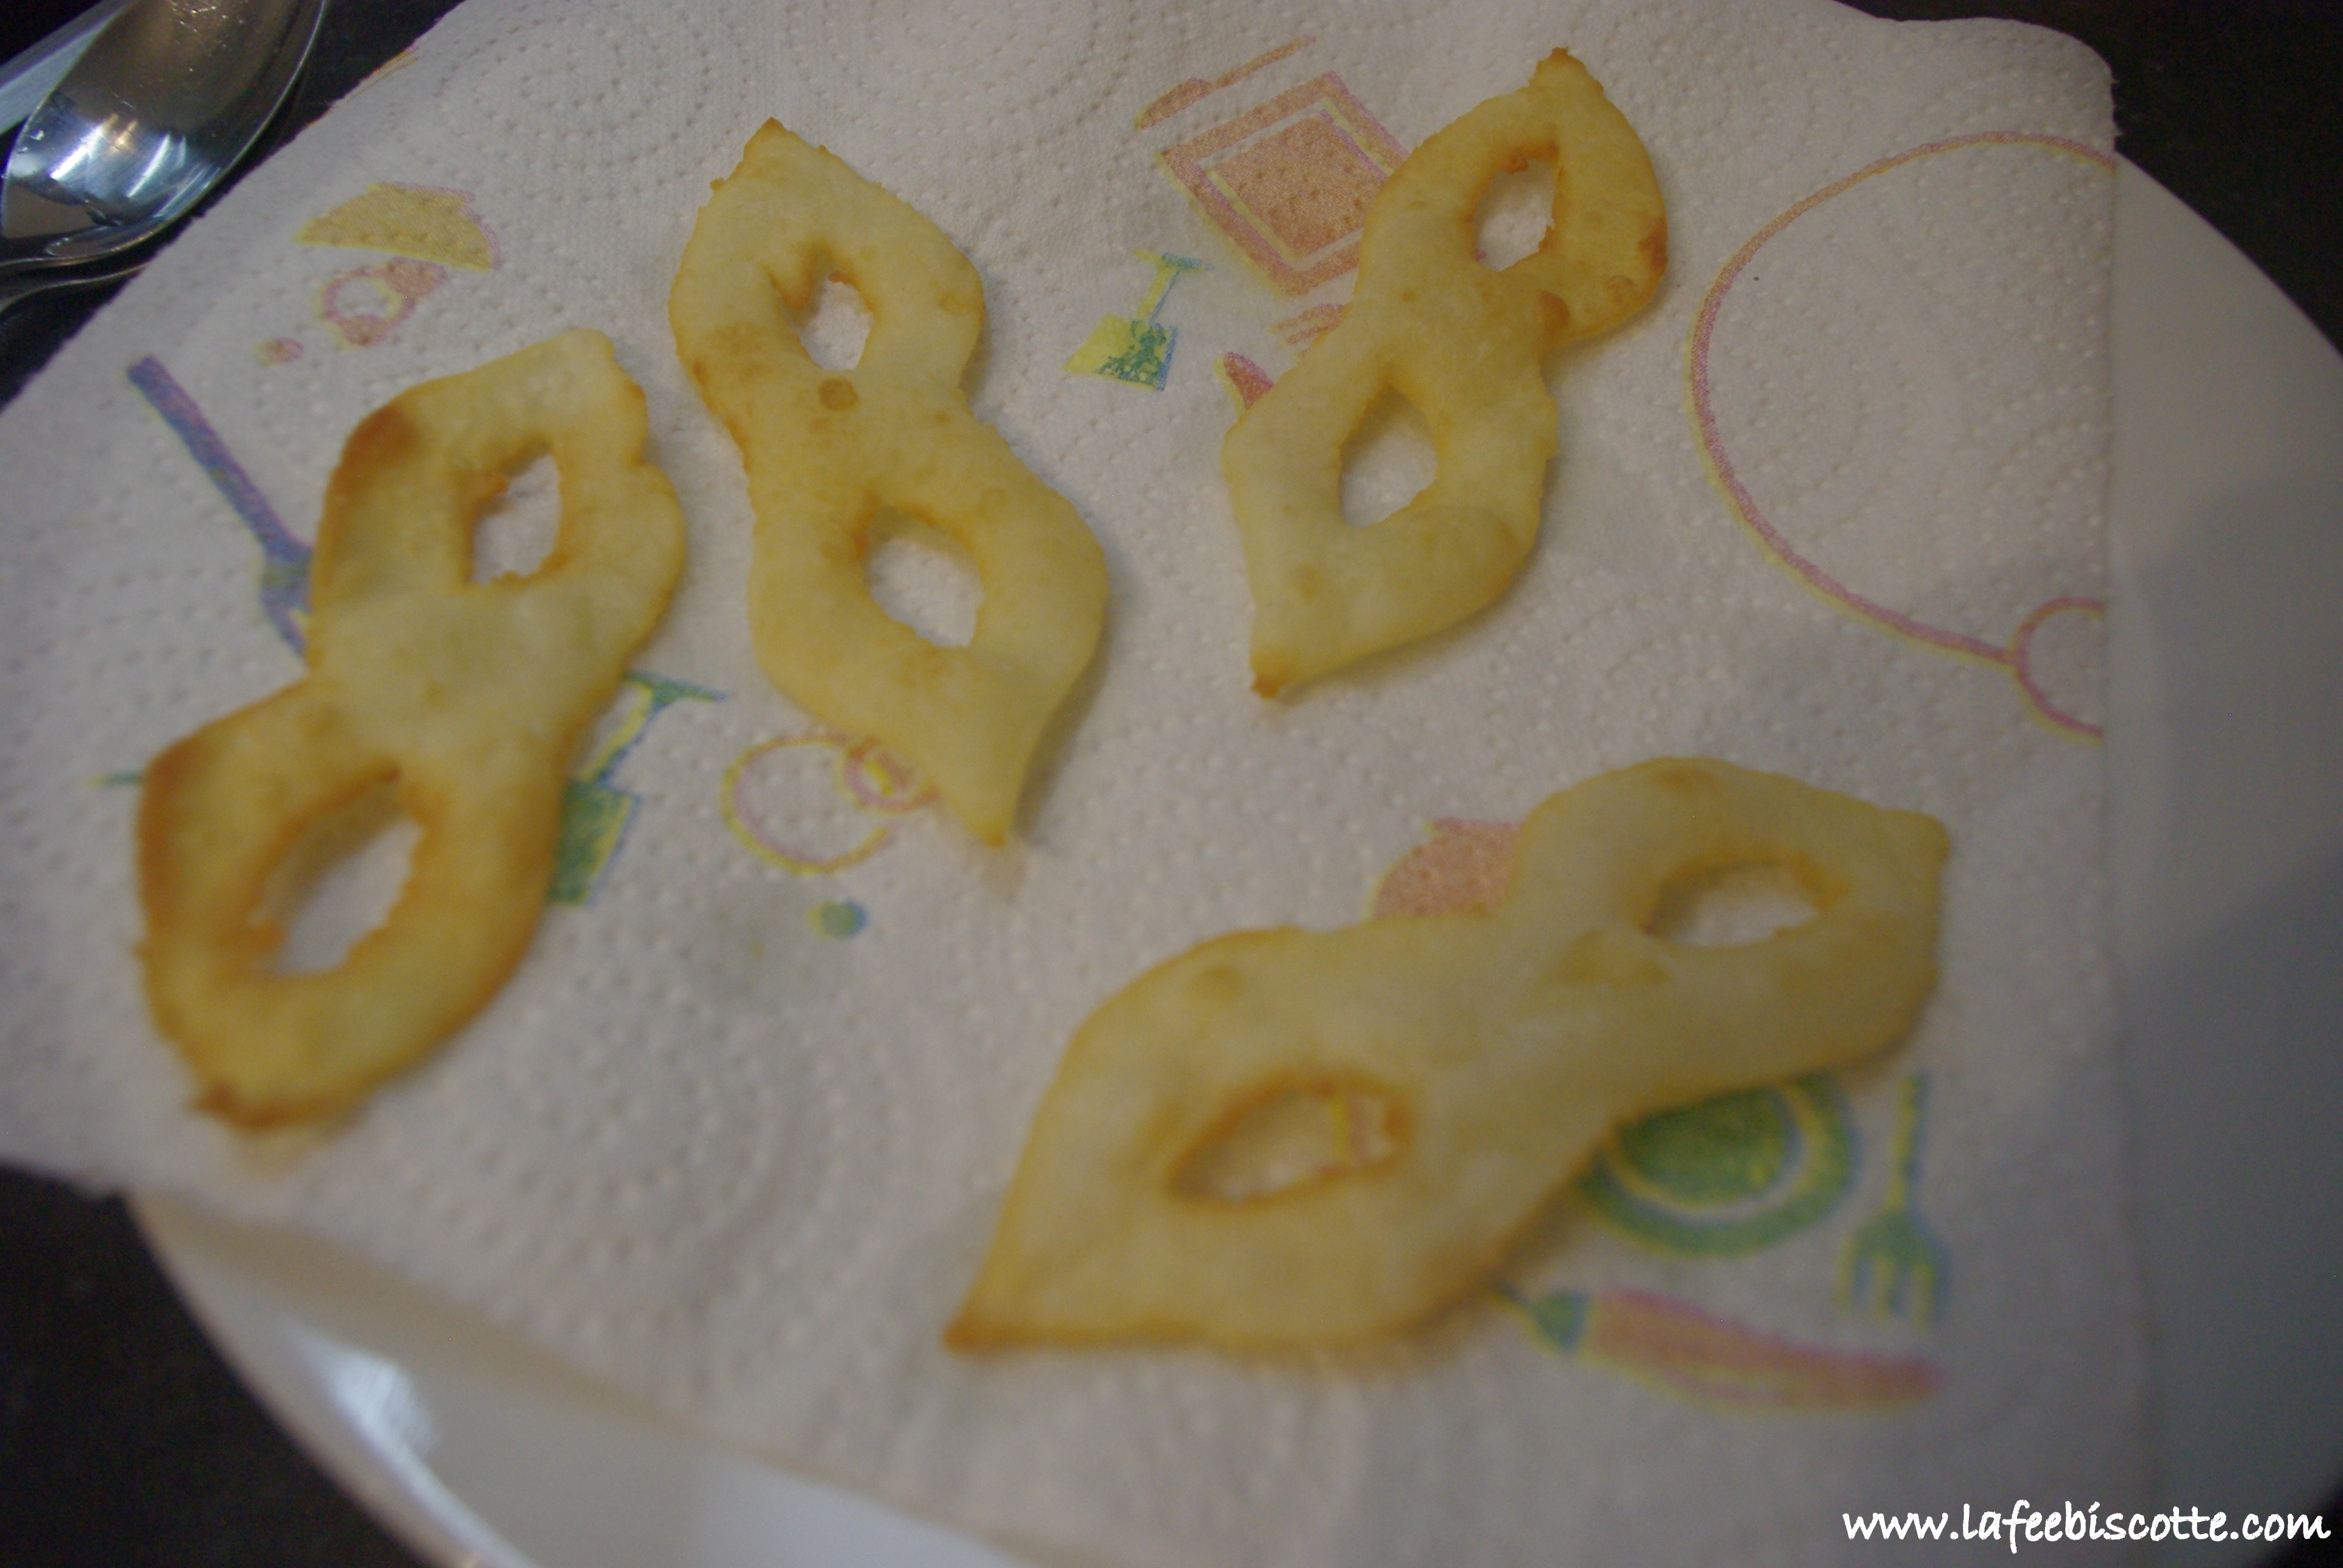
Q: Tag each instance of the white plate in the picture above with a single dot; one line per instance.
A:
(2226, 759)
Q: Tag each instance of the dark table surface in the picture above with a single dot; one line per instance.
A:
(125, 1441)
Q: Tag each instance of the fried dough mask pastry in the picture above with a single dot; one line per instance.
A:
(826, 449)
(468, 699)
(1466, 345)
(1473, 1060)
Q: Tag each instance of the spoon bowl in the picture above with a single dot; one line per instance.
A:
(162, 105)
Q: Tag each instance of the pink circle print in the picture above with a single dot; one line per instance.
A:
(2016, 657)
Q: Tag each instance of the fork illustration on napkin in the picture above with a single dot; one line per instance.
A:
(1894, 1264)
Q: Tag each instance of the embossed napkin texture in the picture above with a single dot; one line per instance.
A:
(737, 1132)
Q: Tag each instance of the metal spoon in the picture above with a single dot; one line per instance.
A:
(163, 102)
(113, 269)
(27, 77)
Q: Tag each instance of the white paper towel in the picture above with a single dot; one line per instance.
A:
(735, 1134)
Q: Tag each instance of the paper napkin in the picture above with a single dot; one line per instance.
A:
(736, 1134)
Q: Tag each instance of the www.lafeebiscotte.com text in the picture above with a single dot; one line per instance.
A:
(2023, 1522)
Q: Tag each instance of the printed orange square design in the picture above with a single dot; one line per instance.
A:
(1289, 181)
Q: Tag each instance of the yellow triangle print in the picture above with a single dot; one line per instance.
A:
(406, 220)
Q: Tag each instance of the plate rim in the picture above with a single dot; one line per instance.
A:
(230, 1293)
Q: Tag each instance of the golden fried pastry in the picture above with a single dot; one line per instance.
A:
(1466, 345)
(1290, 1138)
(466, 700)
(827, 449)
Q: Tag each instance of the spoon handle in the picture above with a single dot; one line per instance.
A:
(14, 289)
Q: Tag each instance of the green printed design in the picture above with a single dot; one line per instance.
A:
(594, 817)
(1895, 1265)
(1715, 1153)
(840, 918)
(595, 813)
(1136, 350)
(1145, 359)
(1729, 1175)
(1558, 1319)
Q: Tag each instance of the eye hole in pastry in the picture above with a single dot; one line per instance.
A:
(514, 533)
(1732, 906)
(922, 578)
(1387, 462)
(835, 325)
(340, 880)
(1515, 214)
(1292, 1138)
